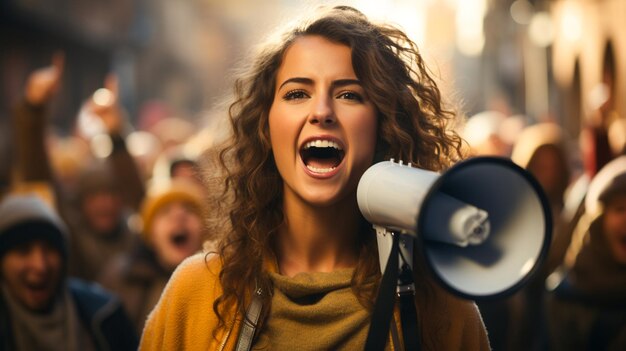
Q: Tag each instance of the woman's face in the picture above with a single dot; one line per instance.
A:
(176, 233)
(614, 225)
(322, 125)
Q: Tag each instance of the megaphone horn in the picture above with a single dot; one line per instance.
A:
(485, 224)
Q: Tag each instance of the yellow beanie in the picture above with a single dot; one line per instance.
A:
(175, 190)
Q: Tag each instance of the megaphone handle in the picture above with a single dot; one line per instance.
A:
(405, 258)
(408, 312)
(403, 285)
(406, 294)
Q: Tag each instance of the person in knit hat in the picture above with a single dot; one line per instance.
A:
(40, 308)
(587, 309)
(173, 229)
(172, 221)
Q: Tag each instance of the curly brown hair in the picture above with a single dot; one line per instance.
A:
(413, 126)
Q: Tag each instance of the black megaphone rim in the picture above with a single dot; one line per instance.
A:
(547, 232)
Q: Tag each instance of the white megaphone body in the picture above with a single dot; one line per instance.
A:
(484, 224)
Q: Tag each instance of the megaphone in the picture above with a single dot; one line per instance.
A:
(484, 225)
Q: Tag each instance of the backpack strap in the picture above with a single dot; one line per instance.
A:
(250, 322)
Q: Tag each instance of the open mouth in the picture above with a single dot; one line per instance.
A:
(37, 287)
(39, 290)
(179, 239)
(321, 156)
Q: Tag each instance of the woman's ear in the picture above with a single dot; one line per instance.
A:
(267, 140)
(263, 131)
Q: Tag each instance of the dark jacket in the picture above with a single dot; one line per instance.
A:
(587, 311)
(138, 280)
(100, 313)
(579, 321)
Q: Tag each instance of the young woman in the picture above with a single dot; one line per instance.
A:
(313, 111)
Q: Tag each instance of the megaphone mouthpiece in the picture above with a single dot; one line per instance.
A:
(455, 222)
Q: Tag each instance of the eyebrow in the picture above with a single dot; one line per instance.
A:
(309, 81)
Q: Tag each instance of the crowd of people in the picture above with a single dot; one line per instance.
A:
(87, 253)
(576, 300)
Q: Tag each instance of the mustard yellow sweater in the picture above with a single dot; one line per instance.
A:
(184, 318)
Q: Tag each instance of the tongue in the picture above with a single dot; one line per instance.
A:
(323, 163)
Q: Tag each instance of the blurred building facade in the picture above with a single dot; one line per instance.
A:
(550, 60)
(546, 59)
(589, 52)
(89, 32)
(175, 53)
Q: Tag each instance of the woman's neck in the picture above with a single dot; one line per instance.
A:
(314, 239)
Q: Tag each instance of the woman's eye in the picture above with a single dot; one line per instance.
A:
(350, 95)
(295, 94)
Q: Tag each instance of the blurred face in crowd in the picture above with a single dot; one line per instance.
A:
(103, 210)
(32, 273)
(614, 225)
(492, 146)
(186, 170)
(547, 167)
(176, 233)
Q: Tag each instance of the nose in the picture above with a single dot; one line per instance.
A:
(322, 111)
(39, 259)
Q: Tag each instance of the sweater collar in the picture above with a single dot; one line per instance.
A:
(312, 283)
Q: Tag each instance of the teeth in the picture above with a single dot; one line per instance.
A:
(320, 170)
(321, 144)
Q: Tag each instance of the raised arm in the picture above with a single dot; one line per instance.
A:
(104, 104)
(29, 121)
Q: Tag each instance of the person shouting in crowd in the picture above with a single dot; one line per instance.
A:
(312, 112)
(40, 308)
(173, 230)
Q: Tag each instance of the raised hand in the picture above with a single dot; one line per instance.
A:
(104, 103)
(44, 82)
